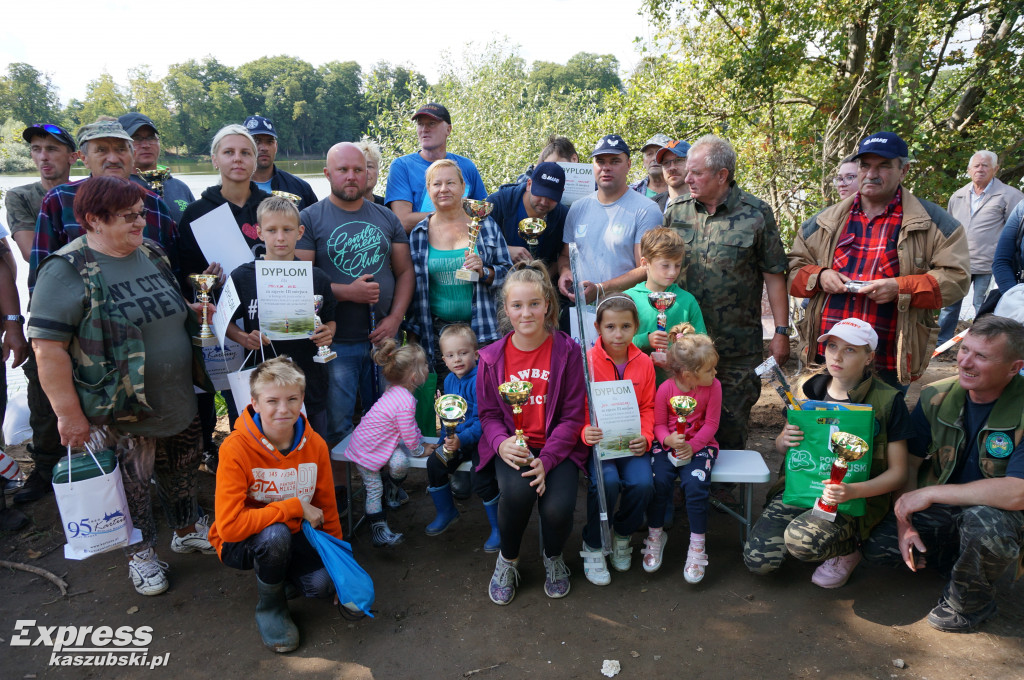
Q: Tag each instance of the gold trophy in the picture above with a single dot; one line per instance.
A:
(323, 354)
(477, 210)
(661, 301)
(204, 283)
(156, 178)
(682, 405)
(294, 198)
(530, 229)
(451, 410)
(516, 393)
(848, 448)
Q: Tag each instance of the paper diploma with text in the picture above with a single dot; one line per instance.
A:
(618, 416)
(285, 292)
(579, 181)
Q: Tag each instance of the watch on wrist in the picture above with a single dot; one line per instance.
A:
(782, 330)
(14, 317)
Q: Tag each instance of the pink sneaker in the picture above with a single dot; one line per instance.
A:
(834, 573)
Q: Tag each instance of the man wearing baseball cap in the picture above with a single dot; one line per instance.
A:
(156, 178)
(53, 150)
(672, 159)
(882, 255)
(406, 193)
(607, 227)
(268, 176)
(537, 198)
(653, 182)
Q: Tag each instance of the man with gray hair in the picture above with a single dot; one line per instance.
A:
(884, 256)
(733, 251)
(983, 207)
(371, 150)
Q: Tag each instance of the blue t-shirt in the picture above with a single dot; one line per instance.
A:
(407, 181)
(265, 186)
(605, 234)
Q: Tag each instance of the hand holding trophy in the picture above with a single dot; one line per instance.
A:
(530, 229)
(682, 405)
(516, 393)
(451, 410)
(661, 301)
(477, 210)
(204, 283)
(848, 448)
(324, 353)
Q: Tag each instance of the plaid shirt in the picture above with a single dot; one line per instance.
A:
(866, 251)
(490, 245)
(57, 226)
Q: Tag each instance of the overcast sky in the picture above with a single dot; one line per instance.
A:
(75, 42)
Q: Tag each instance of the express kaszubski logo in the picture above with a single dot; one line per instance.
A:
(91, 645)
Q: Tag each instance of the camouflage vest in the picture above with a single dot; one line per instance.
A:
(943, 404)
(107, 354)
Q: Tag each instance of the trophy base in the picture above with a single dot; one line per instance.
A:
(467, 275)
(679, 462)
(324, 358)
(443, 455)
(199, 341)
(820, 511)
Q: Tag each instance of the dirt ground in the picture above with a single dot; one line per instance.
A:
(434, 620)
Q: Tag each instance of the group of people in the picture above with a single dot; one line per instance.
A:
(415, 290)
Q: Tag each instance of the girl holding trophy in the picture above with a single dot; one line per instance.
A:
(546, 469)
(687, 410)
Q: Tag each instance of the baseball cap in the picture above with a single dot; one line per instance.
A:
(657, 140)
(884, 144)
(548, 181)
(435, 111)
(610, 144)
(258, 125)
(854, 331)
(102, 129)
(131, 122)
(59, 133)
(677, 147)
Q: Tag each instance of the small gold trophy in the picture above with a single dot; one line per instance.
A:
(682, 405)
(477, 210)
(156, 178)
(661, 301)
(530, 229)
(451, 410)
(323, 354)
(848, 448)
(294, 198)
(204, 283)
(516, 393)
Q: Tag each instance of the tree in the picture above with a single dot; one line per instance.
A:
(103, 97)
(28, 95)
(583, 71)
(340, 104)
(206, 97)
(150, 98)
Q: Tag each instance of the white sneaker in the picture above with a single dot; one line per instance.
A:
(148, 573)
(622, 553)
(594, 566)
(195, 541)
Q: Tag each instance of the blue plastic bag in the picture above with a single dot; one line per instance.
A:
(354, 585)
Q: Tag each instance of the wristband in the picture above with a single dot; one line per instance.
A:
(782, 330)
(14, 317)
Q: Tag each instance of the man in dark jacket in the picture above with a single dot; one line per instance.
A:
(267, 176)
(156, 178)
(538, 198)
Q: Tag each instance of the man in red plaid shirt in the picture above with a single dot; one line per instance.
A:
(884, 256)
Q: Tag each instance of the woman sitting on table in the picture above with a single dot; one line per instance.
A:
(440, 246)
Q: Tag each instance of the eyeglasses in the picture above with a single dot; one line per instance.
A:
(152, 139)
(843, 180)
(129, 218)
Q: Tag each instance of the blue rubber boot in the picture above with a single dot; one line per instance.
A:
(446, 512)
(494, 540)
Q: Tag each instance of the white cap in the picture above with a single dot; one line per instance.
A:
(853, 331)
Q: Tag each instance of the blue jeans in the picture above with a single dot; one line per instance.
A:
(695, 481)
(627, 481)
(350, 375)
(949, 316)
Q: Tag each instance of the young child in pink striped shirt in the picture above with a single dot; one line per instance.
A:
(389, 422)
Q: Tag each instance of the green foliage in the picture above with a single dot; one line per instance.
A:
(14, 153)
(29, 95)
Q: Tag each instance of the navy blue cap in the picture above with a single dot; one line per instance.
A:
(610, 144)
(678, 147)
(258, 125)
(131, 122)
(548, 181)
(884, 144)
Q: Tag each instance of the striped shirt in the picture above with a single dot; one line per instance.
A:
(391, 419)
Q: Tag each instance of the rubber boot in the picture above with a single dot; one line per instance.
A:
(11, 519)
(494, 540)
(381, 535)
(446, 512)
(461, 484)
(275, 623)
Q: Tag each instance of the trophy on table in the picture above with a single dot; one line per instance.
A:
(204, 283)
(661, 301)
(451, 410)
(294, 198)
(848, 448)
(530, 229)
(477, 210)
(156, 178)
(682, 405)
(516, 393)
(323, 354)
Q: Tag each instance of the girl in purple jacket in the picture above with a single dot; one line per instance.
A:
(546, 471)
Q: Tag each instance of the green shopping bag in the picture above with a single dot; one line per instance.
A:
(809, 464)
(425, 395)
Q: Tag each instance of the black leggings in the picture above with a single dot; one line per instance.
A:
(276, 554)
(485, 486)
(556, 506)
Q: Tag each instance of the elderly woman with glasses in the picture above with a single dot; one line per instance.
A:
(111, 335)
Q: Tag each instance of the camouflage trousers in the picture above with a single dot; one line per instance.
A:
(740, 390)
(172, 461)
(45, 448)
(788, 530)
(972, 546)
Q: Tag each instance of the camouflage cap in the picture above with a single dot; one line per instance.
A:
(101, 129)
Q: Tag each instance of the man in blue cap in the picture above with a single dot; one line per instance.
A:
(156, 178)
(537, 198)
(267, 176)
(672, 159)
(653, 182)
(881, 255)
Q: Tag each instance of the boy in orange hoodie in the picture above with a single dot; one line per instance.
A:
(274, 472)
